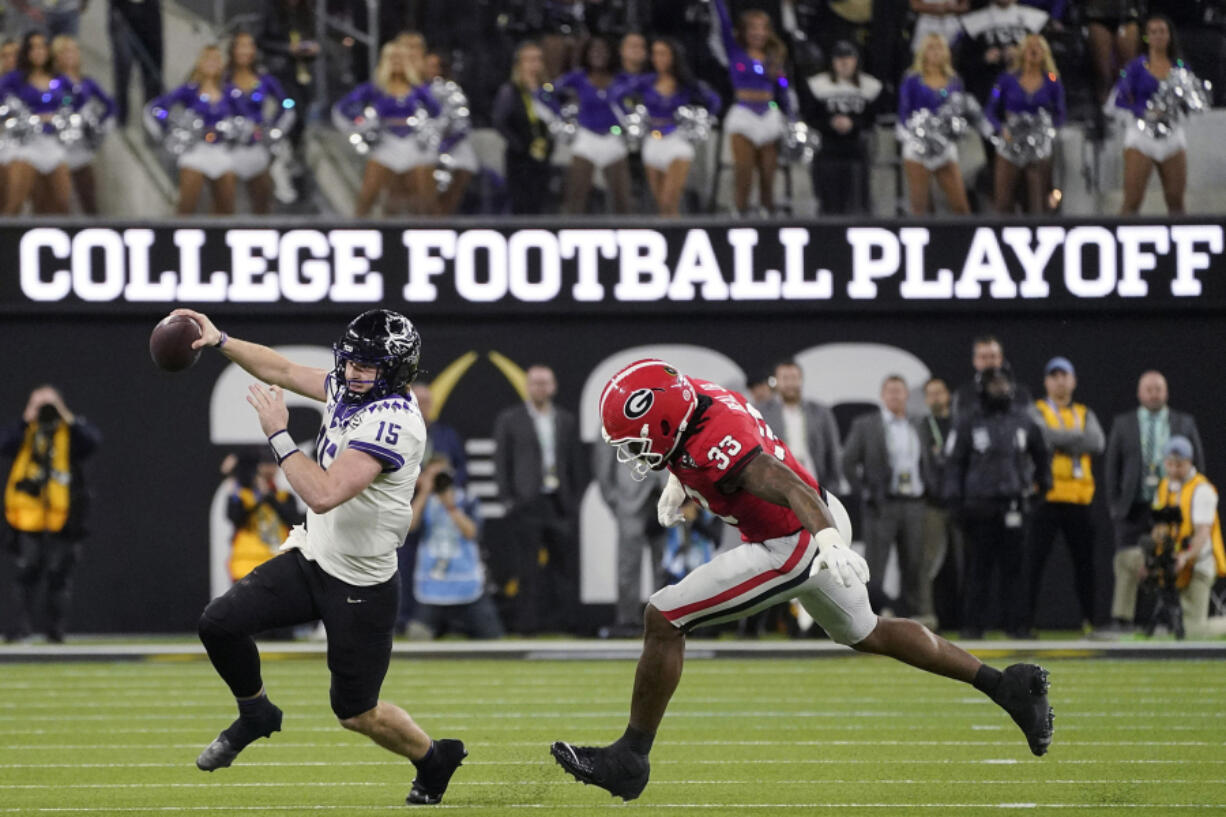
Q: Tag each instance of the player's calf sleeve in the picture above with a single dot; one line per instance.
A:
(987, 679)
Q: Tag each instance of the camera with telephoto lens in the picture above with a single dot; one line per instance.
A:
(442, 481)
(1160, 551)
(1161, 580)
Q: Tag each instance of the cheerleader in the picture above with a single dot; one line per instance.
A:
(926, 87)
(251, 92)
(463, 163)
(598, 143)
(632, 54)
(398, 160)
(755, 58)
(39, 169)
(1143, 150)
(1035, 86)
(846, 97)
(206, 96)
(8, 64)
(415, 50)
(81, 91)
(667, 153)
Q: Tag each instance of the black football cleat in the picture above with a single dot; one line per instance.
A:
(430, 784)
(1023, 694)
(217, 755)
(620, 772)
(221, 752)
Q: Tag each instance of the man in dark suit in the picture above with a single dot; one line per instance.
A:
(1132, 472)
(882, 461)
(539, 470)
(633, 502)
(807, 427)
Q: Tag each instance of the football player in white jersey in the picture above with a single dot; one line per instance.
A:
(340, 567)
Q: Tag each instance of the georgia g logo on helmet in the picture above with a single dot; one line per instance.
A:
(639, 403)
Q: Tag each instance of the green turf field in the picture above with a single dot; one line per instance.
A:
(861, 736)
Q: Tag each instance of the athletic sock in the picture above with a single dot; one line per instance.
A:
(987, 679)
(636, 740)
(257, 718)
(428, 761)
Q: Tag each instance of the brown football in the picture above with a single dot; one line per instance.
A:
(170, 345)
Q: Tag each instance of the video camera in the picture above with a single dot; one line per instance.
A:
(1161, 580)
(1160, 551)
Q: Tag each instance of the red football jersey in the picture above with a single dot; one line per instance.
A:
(722, 441)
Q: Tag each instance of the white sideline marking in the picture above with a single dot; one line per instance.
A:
(741, 761)
(621, 714)
(582, 807)
(568, 782)
(1065, 728)
(25, 747)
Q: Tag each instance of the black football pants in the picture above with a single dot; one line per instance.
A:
(1076, 523)
(289, 590)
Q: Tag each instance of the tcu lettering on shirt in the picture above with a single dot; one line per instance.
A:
(724, 438)
(848, 104)
(1005, 35)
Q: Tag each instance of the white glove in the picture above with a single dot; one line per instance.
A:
(668, 509)
(834, 555)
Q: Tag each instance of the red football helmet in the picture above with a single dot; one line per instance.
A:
(644, 409)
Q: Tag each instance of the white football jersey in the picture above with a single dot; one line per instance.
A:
(356, 541)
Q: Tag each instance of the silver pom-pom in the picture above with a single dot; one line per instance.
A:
(1181, 94)
(456, 114)
(444, 172)
(69, 127)
(428, 130)
(364, 130)
(929, 133)
(183, 130)
(1032, 138)
(14, 121)
(634, 125)
(800, 143)
(693, 123)
(565, 126)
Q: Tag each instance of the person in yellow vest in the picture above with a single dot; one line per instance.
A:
(1073, 436)
(1200, 557)
(262, 513)
(45, 505)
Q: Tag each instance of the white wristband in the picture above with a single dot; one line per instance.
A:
(283, 445)
(829, 538)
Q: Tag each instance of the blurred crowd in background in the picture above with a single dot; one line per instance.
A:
(622, 106)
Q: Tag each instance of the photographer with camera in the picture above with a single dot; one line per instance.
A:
(449, 578)
(261, 511)
(45, 503)
(1183, 553)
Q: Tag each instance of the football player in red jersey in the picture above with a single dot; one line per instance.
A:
(722, 455)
